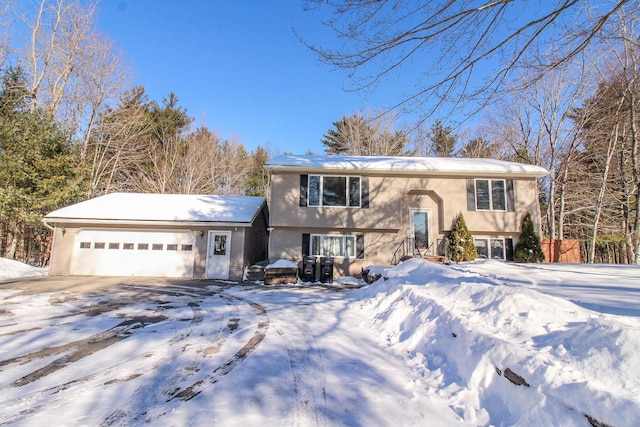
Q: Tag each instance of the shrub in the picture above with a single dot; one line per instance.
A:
(461, 244)
(528, 248)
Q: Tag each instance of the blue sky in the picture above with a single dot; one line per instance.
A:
(237, 67)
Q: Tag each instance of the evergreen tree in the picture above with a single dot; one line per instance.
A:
(39, 169)
(443, 140)
(528, 248)
(461, 244)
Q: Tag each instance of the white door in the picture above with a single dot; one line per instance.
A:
(133, 253)
(218, 254)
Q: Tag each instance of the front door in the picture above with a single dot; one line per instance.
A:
(218, 254)
(420, 219)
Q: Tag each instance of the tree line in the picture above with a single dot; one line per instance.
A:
(73, 128)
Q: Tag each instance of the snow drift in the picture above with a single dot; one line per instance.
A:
(461, 331)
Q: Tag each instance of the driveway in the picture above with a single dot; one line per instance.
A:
(114, 351)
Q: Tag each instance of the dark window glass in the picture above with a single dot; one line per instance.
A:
(157, 246)
(498, 198)
(143, 246)
(85, 245)
(482, 248)
(172, 247)
(114, 245)
(220, 245)
(497, 248)
(98, 245)
(482, 194)
(354, 191)
(334, 191)
(314, 190)
(187, 248)
(127, 246)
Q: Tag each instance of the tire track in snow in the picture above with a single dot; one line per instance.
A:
(185, 394)
(308, 374)
(44, 398)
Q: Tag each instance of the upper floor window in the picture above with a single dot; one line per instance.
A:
(491, 194)
(325, 190)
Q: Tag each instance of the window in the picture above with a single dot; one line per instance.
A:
(491, 195)
(98, 245)
(334, 191)
(490, 248)
(333, 245)
(143, 246)
(127, 246)
(114, 245)
(187, 248)
(85, 245)
(172, 247)
(157, 246)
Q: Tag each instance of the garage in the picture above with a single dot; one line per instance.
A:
(159, 235)
(133, 253)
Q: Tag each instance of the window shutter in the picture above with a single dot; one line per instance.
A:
(304, 184)
(306, 240)
(511, 205)
(471, 194)
(364, 191)
(360, 246)
(508, 250)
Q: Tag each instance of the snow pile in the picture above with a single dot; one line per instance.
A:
(282, 263)
(461, 331)
(10, 269)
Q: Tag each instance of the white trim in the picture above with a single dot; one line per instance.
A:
(430, 240)
(488, 240)
(321, 191)
(489, 180)
(344, 239)
(210, 273)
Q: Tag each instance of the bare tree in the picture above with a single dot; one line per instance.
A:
(455, 40)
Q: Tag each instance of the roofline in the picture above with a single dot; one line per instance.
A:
(59, 220)
(369, 170)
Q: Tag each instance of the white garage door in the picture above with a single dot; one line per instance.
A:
(133, 253)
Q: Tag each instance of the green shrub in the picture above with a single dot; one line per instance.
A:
(461, 244)
(528, 248)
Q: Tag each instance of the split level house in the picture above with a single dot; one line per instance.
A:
(377, 210)
(360, 211)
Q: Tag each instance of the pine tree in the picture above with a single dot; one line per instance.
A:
(461, 244)
(528, 248)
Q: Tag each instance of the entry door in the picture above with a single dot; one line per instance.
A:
(420, 219)
(218, 254)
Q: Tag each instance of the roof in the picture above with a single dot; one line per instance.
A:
(406, 165)
(132, 208)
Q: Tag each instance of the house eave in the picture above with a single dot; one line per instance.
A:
(147, 223)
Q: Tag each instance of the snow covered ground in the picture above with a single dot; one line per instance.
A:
(430, 345)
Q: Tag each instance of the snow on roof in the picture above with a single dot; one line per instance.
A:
(408, 165)
(163, 207)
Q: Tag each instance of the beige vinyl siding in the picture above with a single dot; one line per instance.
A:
(256, 239)
(61, 251)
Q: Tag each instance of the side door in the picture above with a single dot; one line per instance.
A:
(218, 254)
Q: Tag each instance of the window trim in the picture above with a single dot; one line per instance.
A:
(347, 191)
(488, 240)
(490, 193)
(345, 246)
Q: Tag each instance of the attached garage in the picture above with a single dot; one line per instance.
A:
(159, 235)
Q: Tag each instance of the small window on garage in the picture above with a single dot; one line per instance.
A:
(143, 246)
(98, 245)
(172, 247)
(85, 245)
(187, 248)
(127, 246)
(157, 246)
(114, 245)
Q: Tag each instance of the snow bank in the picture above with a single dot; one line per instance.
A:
(11, 269)
(460, 331)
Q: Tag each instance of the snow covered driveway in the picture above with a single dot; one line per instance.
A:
(475, 344)
(188, 353)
